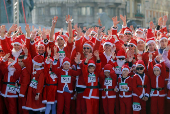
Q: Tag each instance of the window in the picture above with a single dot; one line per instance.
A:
(85, 11)
(128, 7)
(55, 10)
(58, 11)
(112, 11)
(52, 10)
(139, 8)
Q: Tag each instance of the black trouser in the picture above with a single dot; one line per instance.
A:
(34, 112)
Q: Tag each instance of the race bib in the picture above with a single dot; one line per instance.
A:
(11, 89)
(120, 86)
(61, 54)
(65, 79)
(136, 106)
(53, 76)
(108, 82)
(91, 78)
(118, 70)
(33, 84)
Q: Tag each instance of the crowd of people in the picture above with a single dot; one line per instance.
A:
(85, 71)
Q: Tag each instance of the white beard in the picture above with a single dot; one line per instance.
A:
(120, 63)
(16, 53)
(11, 71)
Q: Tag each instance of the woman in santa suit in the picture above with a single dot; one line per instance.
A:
(140, 45)
(132, 50)
(150, 47)
(34, 96)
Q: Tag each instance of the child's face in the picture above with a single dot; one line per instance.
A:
(156, 71)
(107, 74)
(140, 69)
(91, 69)
(66, 66)
(134, 68)
(125, 73)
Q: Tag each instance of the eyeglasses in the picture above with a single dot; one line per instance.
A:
(1, 51)
(130, 45)
(86, 48)
(127, 33)
(139, 68)
(121, 58)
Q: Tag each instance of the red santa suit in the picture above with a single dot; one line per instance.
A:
(11, 75)
(65, 87)
(125, 95)
(36, 86)
(141, 88)
(108, 84)
(157, 88)
(91, 93)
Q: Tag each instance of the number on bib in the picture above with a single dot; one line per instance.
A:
(11, 89)
(136, 106)
(108, 82)
(91, 78)
(33, 84)
(65, 79)
(122, 84)
(61, 54)
(152, 91)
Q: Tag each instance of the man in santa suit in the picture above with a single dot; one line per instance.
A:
(140, 45)
(139, 33)
(11, 74)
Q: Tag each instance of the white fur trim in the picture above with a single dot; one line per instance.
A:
(66, 62)
(125, 69)
(127, 31)
(91, 64)
(17, 43)
(39, 64)
(139, 65)
(120, 56)
(86, 44)
(106, 70)
(108, 43)
(132, 44)
(140, 40)
(150, 41)
(163, 38)
(156, 67)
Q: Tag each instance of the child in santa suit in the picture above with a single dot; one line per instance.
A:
(34, 96)
(109, 84)
(91, 73)
(50, 90)
(65, 89)
(125, 88)
(157, 74)
(141, 89)
(11, 75)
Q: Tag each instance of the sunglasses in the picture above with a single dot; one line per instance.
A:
(139, 68)
(121, 58)
(1, 51)
(127, 33)
(86, 48)
(130, 45)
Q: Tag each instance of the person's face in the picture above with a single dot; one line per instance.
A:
(125, 73)
(163, 43)
(2, 53)
(86, 49)
(20, 62)
(121, 37)
(17, 47)
(91, 69)
(60, 42)
(107, 47)
(107, 74)
(156, 71)
(134, 68)
(140, 69)
(131, 47)
(128, 36)
(151, 46)
(41, 49)
(66, 66)
(92, 35)
(140, 45)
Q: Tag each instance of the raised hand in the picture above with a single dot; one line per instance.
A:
(68, 18)
(44, 36)
(123, 19)
(11, 60)
(165, 18)
(5, 58)
(152, 26)
(167, 48)
(89, 56)
(13, 28)
(88, 32)
(54, 20)
(160, 21)
(77, 58)
(96, 53)
(56, 56)
(27, 28)
(49, 51)
(25, 50)
(3, 29)
(115, 22)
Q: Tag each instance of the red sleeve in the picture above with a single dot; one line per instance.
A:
(150, 69)
(76, 73)
(40, 85)
(51, 45)
(130, 85)
(55, 68)
(148, 86)
(114, 32)
(114, 78)
(9, 42)
(33, 50)
(28, 64)
(163, 70)
(78, 45)
(98, 68)
(97, 45)
(18, 70)
(135, 89)
(69, 48)
(28, 44)
(5, 47)
(85, 72)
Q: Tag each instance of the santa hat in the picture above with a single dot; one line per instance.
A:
(66, 60)
(125, 67)
(38, 60)
(139, 30)
(93, 32)
(121, 54)
(159, 66)
(91, 63)
(62, 37)
(133, 42)
(74, 32)
(150, 34)
(40, 43)
(150, 40)
(104, 36)
(88, 43)
(120, 33)
(110, 42)
(128, 30)
(108, 68)
(140, 62)
(163, 36)
(140, 39)
(17, 41)
(66, 34)
(57, 34)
